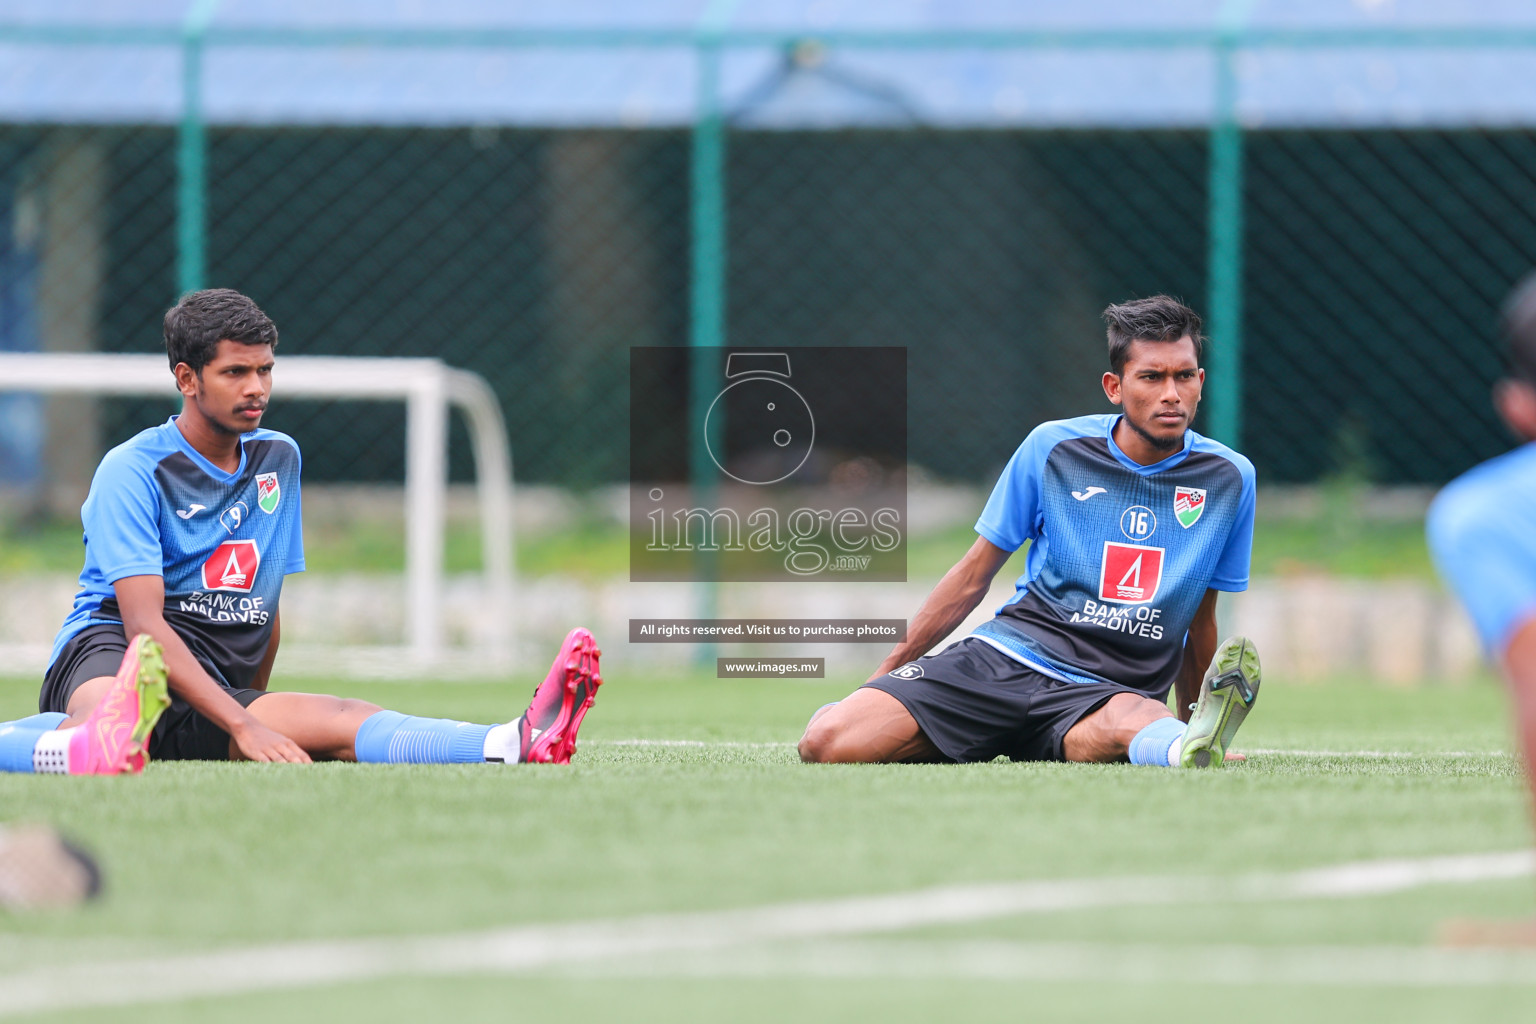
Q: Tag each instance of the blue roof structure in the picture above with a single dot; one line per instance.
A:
(783, 63)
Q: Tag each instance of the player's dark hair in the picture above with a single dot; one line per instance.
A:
(1157, 318)
(195, 326)
(1518, 325)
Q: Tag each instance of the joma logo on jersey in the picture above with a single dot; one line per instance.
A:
(232, 566)
(1130, 573)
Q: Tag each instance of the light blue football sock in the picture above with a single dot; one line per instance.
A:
(17, 741)
(1154, 744)
(388, 737)
(45, 720)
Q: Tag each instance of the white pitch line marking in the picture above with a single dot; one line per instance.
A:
(1343, 754)
(1371, 754)
(1227, 964)
(685, 743)
(169, 977)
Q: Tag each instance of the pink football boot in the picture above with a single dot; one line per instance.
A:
(115, 738)
(548, 731)
(588, 679)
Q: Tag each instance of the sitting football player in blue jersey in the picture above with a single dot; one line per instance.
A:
(1135, 522)
(1479, 535)
(190, 527)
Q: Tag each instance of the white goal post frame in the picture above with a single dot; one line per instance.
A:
(428, 387)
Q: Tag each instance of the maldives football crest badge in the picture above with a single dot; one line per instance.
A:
(268, 493)
(1188, 503)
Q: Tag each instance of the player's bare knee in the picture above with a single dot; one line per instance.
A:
(1106, 734)
(828, 740)
(351, 707)
(1139, 714)
(837, 746)
(86, 696)
(817, 741)
(1126, 714)
(1090, 741)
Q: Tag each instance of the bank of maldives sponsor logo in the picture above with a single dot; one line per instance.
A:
(232, 566)
(1130, 573)
(1188, 503)
(268, 492)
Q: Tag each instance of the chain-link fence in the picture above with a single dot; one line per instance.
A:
(1377, 262)
(1369, 262)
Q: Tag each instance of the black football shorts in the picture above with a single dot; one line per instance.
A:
(182, 734)
(975, 703)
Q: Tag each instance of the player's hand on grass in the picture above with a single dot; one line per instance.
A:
(1236, 757)
(258, 743)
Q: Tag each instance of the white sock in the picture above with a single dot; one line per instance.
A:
(502, 742)
(51, 754)
(1175, 751)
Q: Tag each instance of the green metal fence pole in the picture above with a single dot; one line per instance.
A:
(707, 305)
(191, 174)
(192, 154)
(1224, 271)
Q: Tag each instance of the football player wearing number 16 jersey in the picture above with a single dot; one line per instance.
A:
(1135, 523)
(190, 528)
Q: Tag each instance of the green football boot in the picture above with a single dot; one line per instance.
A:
(1227, 693)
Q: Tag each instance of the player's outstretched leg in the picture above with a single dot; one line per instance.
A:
(545, 733)
(1227, 694)
(115, 737)
(113, 740)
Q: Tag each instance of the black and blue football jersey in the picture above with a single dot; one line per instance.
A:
(1122, 553)
(222, 541)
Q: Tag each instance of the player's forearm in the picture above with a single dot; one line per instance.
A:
(264, 670)
(1199, 649)
(956, 596)
(1198, 652)
(1186, 687)
(186, 676)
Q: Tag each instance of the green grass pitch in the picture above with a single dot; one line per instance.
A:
(204, 857)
